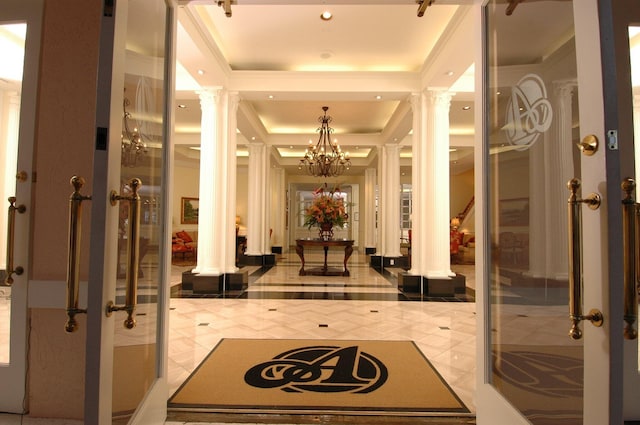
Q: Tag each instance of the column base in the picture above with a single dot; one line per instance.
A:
(432, 287)
(204, 284)
(377, 261)
(258, 260)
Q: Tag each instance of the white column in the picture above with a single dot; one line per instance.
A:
(230, 181)
(390, 200)
(209, 259)
(10, 122)
(369, 208)
(278, 202)
(256, 199)
(537, 215)
(437, 216)
(559, 150)
(418, 157)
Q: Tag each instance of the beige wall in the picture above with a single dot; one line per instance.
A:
(461, 191)
(65, 139)
(187, 184)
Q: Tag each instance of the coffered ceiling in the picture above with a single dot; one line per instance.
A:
(286, 63)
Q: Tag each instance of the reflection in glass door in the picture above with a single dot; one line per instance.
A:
(142, 152)
(533, 128)
(12, 43)
(634, 56)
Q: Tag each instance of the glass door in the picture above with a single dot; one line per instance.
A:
(551, 151)
(20, 26)
(126, 347)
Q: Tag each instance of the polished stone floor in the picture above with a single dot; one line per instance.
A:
(280, 304)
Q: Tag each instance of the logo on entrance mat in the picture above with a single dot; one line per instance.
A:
(322, 369)
(529, 112)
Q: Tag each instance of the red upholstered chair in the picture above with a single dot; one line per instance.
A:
(178, 246)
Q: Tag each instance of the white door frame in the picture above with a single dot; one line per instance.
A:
(602, 346)
(102, 277)
(13, 374)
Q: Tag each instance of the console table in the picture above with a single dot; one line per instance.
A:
(325, 244)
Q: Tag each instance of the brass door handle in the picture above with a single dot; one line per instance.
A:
(11, 225)
(73, 266)
(133, 257)
(575, 259)
(631, 257)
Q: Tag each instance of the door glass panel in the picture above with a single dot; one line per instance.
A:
(142, 152)
(634, 55)
(12, 38)
(533, 129)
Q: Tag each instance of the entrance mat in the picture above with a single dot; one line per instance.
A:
(311, 375)
(544, 382)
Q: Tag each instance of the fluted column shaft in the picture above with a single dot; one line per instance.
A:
(277, 220)
(217, 196)
(560, 170)
(370, 208)
(257, 204)
(209, 259)
(229, 182)
(390, 200)
(436, 189)
(418, 176)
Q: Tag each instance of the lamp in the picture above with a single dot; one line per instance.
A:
(131, 141)
(455, 222)
(325, 158)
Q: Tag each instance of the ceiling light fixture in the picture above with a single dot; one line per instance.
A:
(226, 5)
(422, 6)
(325, 158)
(326, 15)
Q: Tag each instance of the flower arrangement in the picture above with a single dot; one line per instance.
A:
(327, 208)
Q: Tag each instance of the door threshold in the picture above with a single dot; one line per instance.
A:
(324, 418)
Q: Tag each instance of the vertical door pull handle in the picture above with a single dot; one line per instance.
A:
(575, 258)
(73, 265)
(133, 257)
(11, 225)
(630, 237)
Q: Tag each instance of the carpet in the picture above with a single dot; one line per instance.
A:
(310, 375)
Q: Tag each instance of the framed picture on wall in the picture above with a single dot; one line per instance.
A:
(189, 211)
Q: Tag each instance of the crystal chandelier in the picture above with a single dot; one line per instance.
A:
(133, 148)
(325, 158)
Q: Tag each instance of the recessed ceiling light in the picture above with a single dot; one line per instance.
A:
(253, 138)
(326, 15)
(378, 97)
(327, 54)
(466, 108)
(182, 106)
(270, 96)
(449, 73)
(290, 146)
